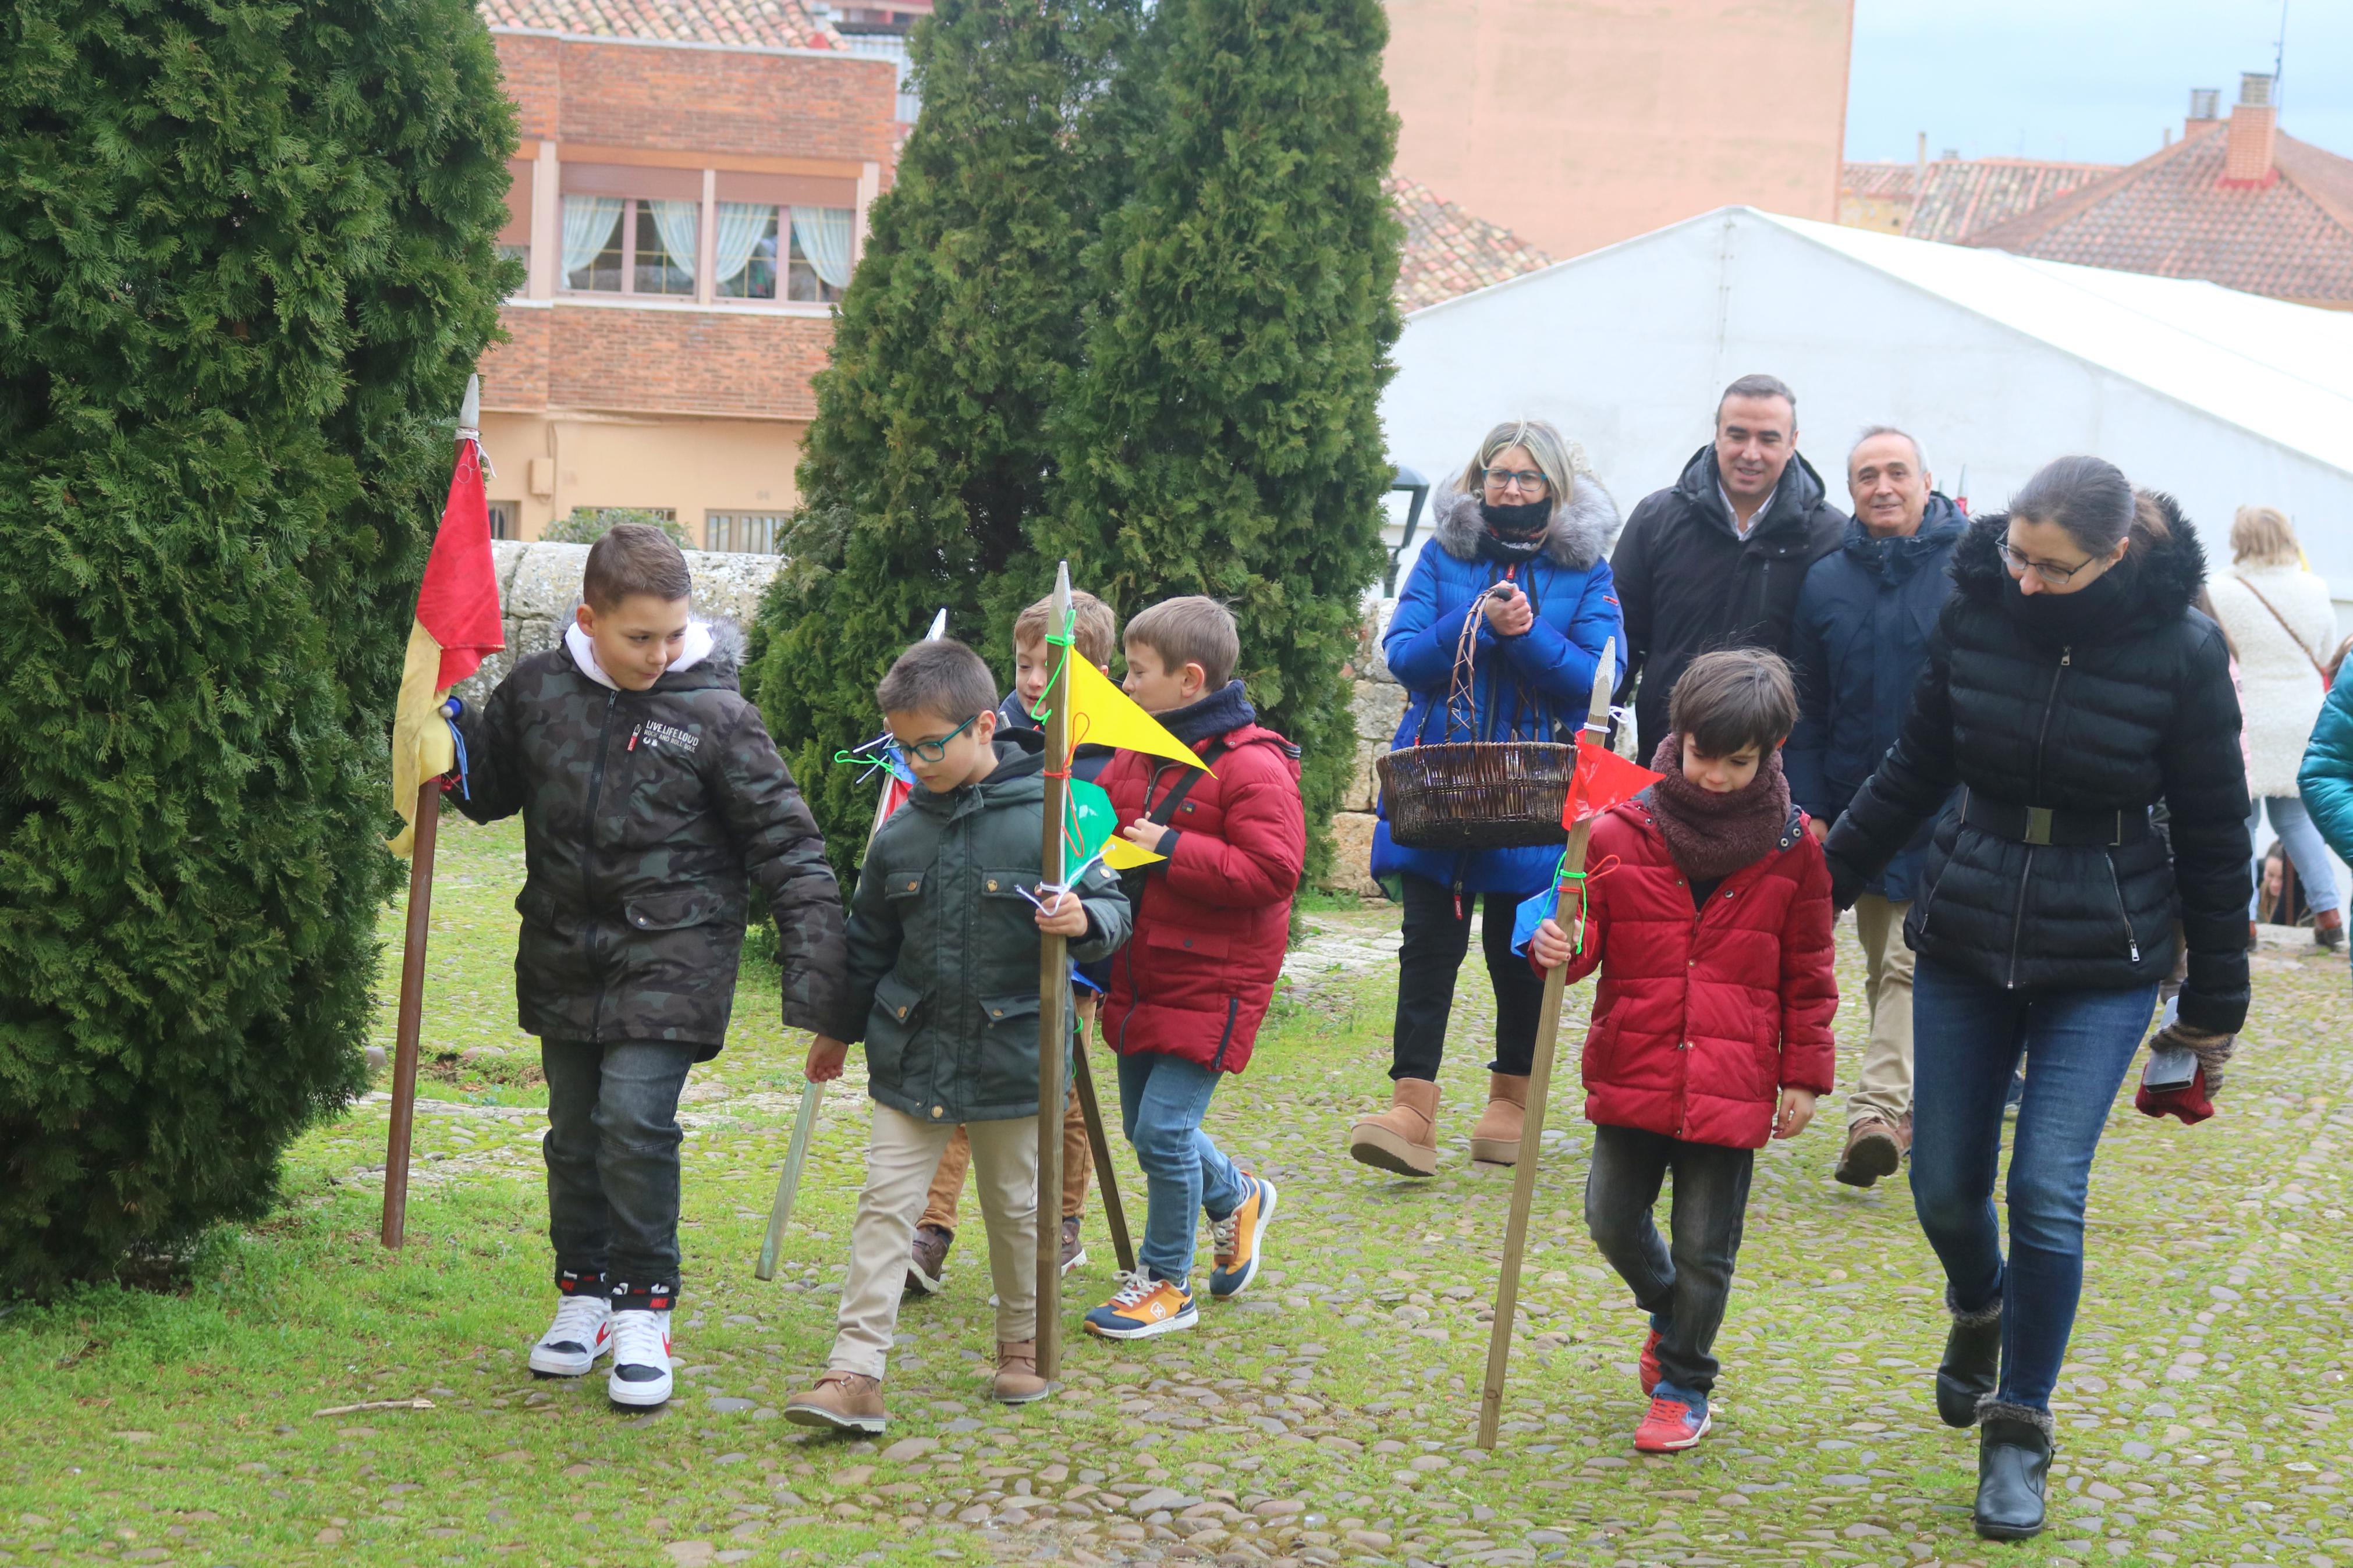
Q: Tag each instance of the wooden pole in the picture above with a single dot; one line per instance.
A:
(1523, 1174)
(412, 1013)
(1106, 1178)
(1054, 1000)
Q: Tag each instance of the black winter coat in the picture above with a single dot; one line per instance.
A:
(644, 815)
(1688, 583)
(1859, 643)
(2125, 701)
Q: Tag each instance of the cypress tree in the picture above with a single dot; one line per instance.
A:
(247, 259)
(929, 453)
(1222, 436)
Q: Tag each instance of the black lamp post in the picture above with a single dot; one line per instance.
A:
(1414, 485)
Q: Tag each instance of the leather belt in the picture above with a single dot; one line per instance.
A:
(2043, 824)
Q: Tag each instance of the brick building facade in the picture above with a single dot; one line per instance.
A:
(688, 209)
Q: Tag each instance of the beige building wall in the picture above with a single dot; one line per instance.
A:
(1578, 123)
(550, 463)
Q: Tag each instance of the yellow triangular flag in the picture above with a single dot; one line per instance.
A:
(1121, 855)
(1103, 715)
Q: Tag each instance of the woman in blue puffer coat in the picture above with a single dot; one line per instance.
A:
(1519, 544)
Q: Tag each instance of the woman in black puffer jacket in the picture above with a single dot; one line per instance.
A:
(2070, 688)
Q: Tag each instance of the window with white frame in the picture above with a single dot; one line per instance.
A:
(743, 532)
(631, 245)
(815, 243)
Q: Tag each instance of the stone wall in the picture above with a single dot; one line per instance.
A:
(1377, 702)
(539, 587)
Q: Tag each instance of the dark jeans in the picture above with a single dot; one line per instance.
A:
(1967, 1040)
(1436, 942)
(612, 1163)
(1683, 1288)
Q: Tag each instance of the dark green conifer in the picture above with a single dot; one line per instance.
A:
(247, 259)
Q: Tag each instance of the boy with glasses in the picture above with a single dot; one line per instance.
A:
(942, 985)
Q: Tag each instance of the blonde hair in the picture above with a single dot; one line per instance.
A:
(1558, 458)
(1190, 630)
(2263, 536)
(1094, 630)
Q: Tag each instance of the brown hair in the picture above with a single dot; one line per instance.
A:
(1094, 630)
(1732, 698)
(1758, 385)
(1190, 630)
(2263, 535)
(634, 558)
(2093, 501)
(944, 678)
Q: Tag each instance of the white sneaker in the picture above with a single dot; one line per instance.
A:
(640, 1376)
(582, 1332)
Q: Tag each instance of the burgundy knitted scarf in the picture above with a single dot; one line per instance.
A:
(1713, 836)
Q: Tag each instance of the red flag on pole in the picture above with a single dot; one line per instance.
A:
(1603, 779)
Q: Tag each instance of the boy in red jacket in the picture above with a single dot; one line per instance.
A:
(1708, 913)
(1211, 923)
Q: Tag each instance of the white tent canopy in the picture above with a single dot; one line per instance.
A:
(1995, 362)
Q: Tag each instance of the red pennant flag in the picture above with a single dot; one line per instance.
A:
(1603, 779)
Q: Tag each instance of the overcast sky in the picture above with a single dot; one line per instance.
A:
(2095, 80)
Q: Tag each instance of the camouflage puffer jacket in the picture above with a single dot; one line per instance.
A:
(645, 816)
(942, 982)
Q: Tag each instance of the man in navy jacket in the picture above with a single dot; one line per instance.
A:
(1859, 642)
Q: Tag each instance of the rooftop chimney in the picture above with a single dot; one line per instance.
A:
(2247, 159)
(2205, 104)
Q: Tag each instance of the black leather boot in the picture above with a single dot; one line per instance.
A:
(2013, 1461)
(1971, 1366)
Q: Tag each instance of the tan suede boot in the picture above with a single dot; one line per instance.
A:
(841, 1402)
(1017, 1381)
(1496, 1138)
(1404, 1138)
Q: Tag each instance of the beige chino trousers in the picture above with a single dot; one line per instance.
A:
(901, 1154)
(1883, 1088)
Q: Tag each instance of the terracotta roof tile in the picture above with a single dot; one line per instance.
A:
(1958, 196)
(1448, 252)
(775, 24)
(2169, 215)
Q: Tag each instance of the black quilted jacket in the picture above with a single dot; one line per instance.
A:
(2125, 702)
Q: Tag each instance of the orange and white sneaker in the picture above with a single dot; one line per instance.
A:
(1143, 1308)
(1236, 1239)
(1676, 1421)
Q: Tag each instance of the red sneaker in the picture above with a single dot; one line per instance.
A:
(1671, 1425)
(1649, 1367)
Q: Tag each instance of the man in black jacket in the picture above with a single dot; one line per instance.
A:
(1716, 561)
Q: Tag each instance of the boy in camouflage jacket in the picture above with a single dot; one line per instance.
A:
(943, 987)
(652, 800)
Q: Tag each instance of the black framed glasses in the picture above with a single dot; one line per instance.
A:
(2020, 565)
(1530, 481)
(935, 751)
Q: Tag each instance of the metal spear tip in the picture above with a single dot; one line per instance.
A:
(1061, 597)
(470, 414)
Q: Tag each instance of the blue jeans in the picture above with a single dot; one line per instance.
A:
(1967, 1040)
(1161, 1102)
(2306, 852)
(612, 1162)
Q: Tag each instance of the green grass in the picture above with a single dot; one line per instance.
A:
(2206, 1389)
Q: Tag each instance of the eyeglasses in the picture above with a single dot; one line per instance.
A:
(1528, 479)
(2018, 564)
(935, 751)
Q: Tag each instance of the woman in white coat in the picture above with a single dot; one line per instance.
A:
(2279, 617)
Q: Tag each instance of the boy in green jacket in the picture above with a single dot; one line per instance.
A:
(942, 983)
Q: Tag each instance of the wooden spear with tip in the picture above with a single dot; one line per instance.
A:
(1523, 1174)
(1054, 1000)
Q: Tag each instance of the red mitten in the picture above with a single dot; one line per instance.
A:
(2190, 1103)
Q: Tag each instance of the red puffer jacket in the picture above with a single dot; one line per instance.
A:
(1210, 929)
(1702, 1019)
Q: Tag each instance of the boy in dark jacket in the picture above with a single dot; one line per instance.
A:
(943, 987)
(649, 793)
(1212, 923)
(1709, 918)
(1094, 633)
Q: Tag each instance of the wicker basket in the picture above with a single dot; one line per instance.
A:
(1493, 794)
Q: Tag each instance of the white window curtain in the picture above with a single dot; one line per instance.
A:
(679, 225)
(741, 227)
(588, 224)
(825, 235)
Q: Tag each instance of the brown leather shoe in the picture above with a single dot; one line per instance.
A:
(1496, 1138)
(1404, 1138)
(1074, 1250)
(1017, 1381)
(841, 1402)
(1874, 1150)
(927, 1260)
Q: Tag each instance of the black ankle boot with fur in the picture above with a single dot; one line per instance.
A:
(1972, 1362)
(2013, 1464)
